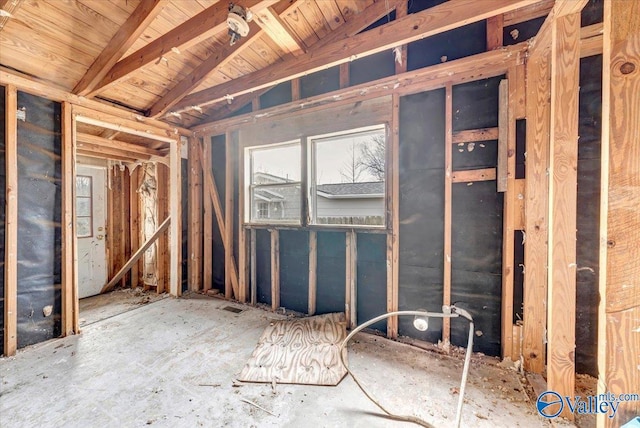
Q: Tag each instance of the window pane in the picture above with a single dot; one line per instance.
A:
(83, 227)
(349, 178)
(276, 204)
(83, 207)
(83, 185)
(273, 165)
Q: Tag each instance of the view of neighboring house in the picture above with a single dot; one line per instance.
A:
(350, 203)
(278, 198)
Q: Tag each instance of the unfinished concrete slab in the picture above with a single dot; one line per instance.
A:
(174, 363)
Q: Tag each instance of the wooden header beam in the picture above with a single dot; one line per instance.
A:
(438, 19)
(50, 91)
(117, 145)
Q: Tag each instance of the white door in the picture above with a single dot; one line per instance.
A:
(91, 201)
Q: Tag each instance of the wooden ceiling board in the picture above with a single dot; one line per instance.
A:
(315, 18)
(331, 12)
(302, 29)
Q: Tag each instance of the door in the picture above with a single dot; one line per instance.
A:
(91, 191)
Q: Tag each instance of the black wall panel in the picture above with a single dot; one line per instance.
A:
(39, 222)
(3, 185)
(330, 272)
(476, 262)
(475, 104)
(185, 224)
(592, 13)
(320, 82)
(218, 150)
(263, 266)
(516, 33)
(294, 270)
(371, 67)
(372, 278)
(422, 136)
(279, 94)
(588, 219)
(453, 44)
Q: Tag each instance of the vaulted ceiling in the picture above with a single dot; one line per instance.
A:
(148, 54)
(172, 60)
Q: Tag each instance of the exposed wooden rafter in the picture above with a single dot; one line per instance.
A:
(9, 8)
(438, 19)
(124, 38)
(352, 27)
(269, 20)
(217, 60)
(210, 21)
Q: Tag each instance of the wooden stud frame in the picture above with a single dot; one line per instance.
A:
(563, 162)
(619, 309)
(69, 285)
(11, 230)
(448, 171)
(194, 227)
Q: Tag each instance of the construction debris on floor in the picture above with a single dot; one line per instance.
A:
(175, 363)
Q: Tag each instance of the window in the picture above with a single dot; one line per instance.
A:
(263, 210)
(274, 174)
(347, 177)
(346, 180)
(84, 219)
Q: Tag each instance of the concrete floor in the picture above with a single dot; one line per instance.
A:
(172, 363)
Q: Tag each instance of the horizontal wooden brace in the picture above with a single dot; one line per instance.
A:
(472, 135)
(472, 175)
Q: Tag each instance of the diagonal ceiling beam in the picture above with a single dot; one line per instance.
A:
(210, 65)
(9, 9)
(352, 27)
(221, 57)
(126, 36)
(207, 23)
(435, 20)
(269, 20)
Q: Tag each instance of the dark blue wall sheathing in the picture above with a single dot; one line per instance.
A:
(263, 266)
(185, 224)
(372, 278)
(218, 166)
(330, 272)
(592, 13)
(589, 146)
(422, 136)
(476, 262)
(475, 104)
(39, 227)
(372, 67)
(247, 108)
(516, 33)
(453, 44)
(320, 82)
(279, 94)
(3, 189)
(294, 270)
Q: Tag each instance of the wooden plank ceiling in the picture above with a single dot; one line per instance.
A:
(148, 55)
(124, 51)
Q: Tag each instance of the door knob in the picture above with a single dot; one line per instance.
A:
(100, 237)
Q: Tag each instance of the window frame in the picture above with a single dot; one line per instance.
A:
(90, 198)
(251, 219)
(312, 179)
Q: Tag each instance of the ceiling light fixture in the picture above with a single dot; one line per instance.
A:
(238, 22)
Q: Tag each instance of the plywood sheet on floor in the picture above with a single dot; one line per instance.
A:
(301, 351)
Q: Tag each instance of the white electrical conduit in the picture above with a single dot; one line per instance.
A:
(448, 312)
